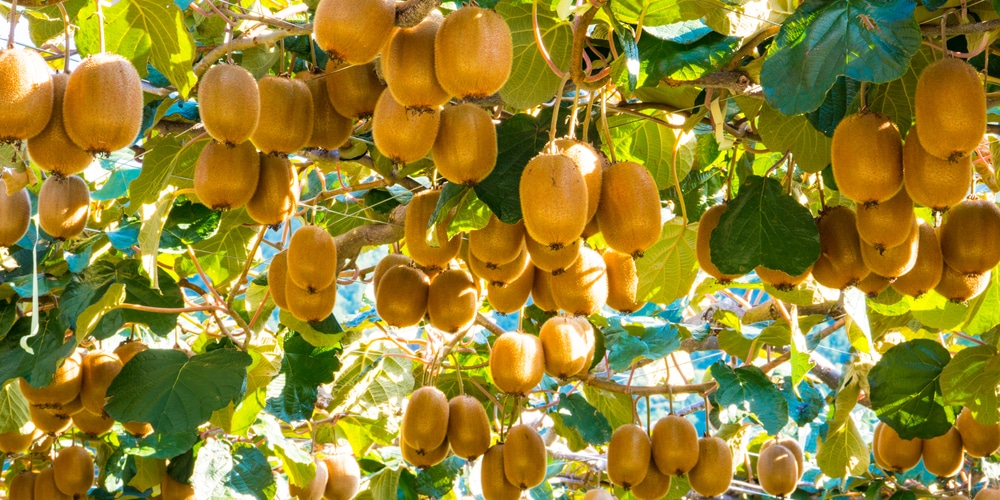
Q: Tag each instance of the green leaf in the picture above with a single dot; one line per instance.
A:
(174, 393)
(805, 406)
(668, 269)
(836, 105)
(843, 453)
(326, 333)
(531, 81)
(628, 341)
(472, 214)
(121, 36)
(906, 391)
(439, 480)
(371, 381)
(297, 464)
(580, 423)
(749, 388)
(13, 408)
(764, 226)
(90, 316)
(616, 407)
(237, 418)
(822, 40)
(223, 255)
(983, 311)
(304, 368)
(661, 149)
(895, 99)
(971, 379)
(168, 162)
(224, 471)
(659, 13)
(681, 61)
(932, 310)
(48, 345)
(809, 147)
(383, 484)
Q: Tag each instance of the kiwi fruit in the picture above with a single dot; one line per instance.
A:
(592, 228)
(944, 455)
(128, 349)
(898, 454)
(138, 429)
(400, 135)
(288, 107)
(512, 296)
(987, 494)
(628, 456)
(408, 66)
(583, 288)
(344, 477)
(652, 487)
(309, 304)
(68, 409)
(429, 458)
(675, 445)
(524, 457)
(493, 479)
(792, 446)
(229, 103)
(931, 181)
(591, 165)
(354, 91)
(26, 94)
(304, 268)
(46, 422)
(73, 469)
(951, 100)
(64, 387)
(452, 301)
(172, 489)
(623, 282)
(707, 224)
(926, 273)
(15, 215)
(226, 177)
(52, 149)
(866, 155)
(45, 486)
(517, 362)
(887, 224)
(777, 470)
(418, 215)
(313, 490)
(102, 107)
(876, 449)
(873, 284)
(553, 200)
(979, 440)
(403, 301)
(386, 263)
(497, 243)
(961, 288)
(599, 494)
(826, 274)
(22, 487)
(465, 150)
(969, 237)
(780, 279)
(713, 473)
(473, 52)
(590, 339)
(564, 347)
(841, 244)
(331, 130)
(63, 207)
(503, 274)
(629, 211)
(93, 424)
(277, 193)
(277, 278)
(15, 442)
(552, 261)
(541, 292)
(98, 370)
(468, 427)
(353, 32)
(896, 261)
(425, 422)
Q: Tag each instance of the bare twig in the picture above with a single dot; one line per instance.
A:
(411, 12)
(962, 29)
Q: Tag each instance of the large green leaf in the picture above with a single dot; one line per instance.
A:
(971, 379)
(844, 452)
(168, 162)
(175, 393)
(749, 388)
(683, 61)
(49, 347)
(531, 81)
(822, 40)
(660, 13)
(810, 148)
(895, 99)
(906, 391)
(121, 35)
(580, 423)
(983, 311)
(224, 471)
(304, 368)
(668, 268)
(439, 480)
(661, 149)
(765, 227)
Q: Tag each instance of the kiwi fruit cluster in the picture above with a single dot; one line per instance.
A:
(433, 427)
(301, 283)
(943, 455)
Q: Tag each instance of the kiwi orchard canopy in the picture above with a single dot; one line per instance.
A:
(376, 249)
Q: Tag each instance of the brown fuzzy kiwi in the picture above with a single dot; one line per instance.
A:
(931, 181)
(828, 275)
(926, 273)
(494, 481)
(675, 445)
(286, 106)
(553, 200)
(552, 261)
(305, 267)
(45, 486)
(713, 473)
(944, 455)
(652, 487)
(629, 211)
(52, 149)
(226, 177)
(63, 207)
(867, 157)
(452, 301)
(386, 263)
(524, 457)
(583, 288)
(777, 470)
(277, 193)
(68, 409)
(64, 387)
(47, 422)
(591, 229)
(707, 224)
(102, 107)
(354, 91)
(897, 453)
(344, 479)
(780, 279)
(465, 150)
(628, 456)
(950, 98)
(960, 288)
(418, 214)
(331, 130)
(172, 489)
(22, 487)
(98, 370)
(623, 282)
(425, 422)
(590, 339)
(403, 301)
(503, 274)
(591, 165)
(15, 442)
(26, 94)
(512, 296)
(429, 458)
(564, 346)
(792, 446)
(498, 242)
(15, 215)
(93, 424)
(896, 261)
(310, 304)
(979, 440)
(517, 362)
(138, 429)
(473, 52)
(277, 278)
(408, 66)
(403, 136)
(873, 284)
(353, 32)
(541, 292)
(598, 494)
(969, 236)
(74, 471)
(887, 224)
(229, 103)
(468, 427)
(987, 494)
(841, 244)
(313, 490)
(128, 349)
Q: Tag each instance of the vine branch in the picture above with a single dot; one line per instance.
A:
(962, 29)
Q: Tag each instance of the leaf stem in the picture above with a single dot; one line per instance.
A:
(246, 267)
(541, 43)
(678, 135)
(169, 310)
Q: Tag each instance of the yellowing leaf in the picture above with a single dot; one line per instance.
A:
(668, 268)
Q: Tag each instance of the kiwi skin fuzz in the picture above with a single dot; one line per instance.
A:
(401, 300)
(553, 200)
(353, 32)
(226, 178)
(63, 207)
(229, 103)
(15, 215)
(465, 150)
(408, 66)
(102, 107)
(517, 363)
(277, 193)
(867, 157)
(26, 94)
(931, 181)
(473, 52)
(52, 149)
(287, 106)
(401, 135)
(629, 211)
(951, 97)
